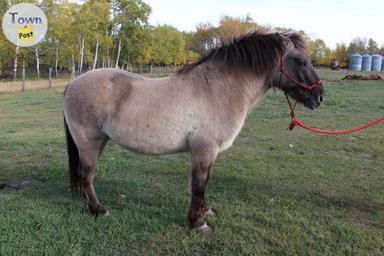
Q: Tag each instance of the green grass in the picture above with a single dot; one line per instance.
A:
(322, 196)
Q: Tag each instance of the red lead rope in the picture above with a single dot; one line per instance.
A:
(296, 122)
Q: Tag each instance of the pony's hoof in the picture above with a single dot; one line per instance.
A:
(210, 212)
(204, 229)
(98, 210)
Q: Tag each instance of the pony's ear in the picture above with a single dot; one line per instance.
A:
(288, 44)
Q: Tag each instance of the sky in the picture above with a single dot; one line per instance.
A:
(334, 21)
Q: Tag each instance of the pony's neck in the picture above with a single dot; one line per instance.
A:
(240, 89)
(245, 87)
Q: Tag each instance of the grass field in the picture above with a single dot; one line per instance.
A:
(276, 192)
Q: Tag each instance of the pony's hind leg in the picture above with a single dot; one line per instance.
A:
(202, 160)
(88, 158)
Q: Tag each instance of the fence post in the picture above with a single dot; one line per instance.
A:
(23, 78)
(50, 78)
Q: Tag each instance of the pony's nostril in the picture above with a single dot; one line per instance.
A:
(320, 99)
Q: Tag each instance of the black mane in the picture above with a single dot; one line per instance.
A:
(257, 51)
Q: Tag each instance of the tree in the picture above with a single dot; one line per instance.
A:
(319, 52)
(230, 27)
(61, 41)
(7, 49)
(204, 39)
(341, 54)
(146, 49)
(130, 19)
(357, 46)
(372, 47)
(329, 56)
(95, 27)
(171, 46)
(381, 51)
(208, 36)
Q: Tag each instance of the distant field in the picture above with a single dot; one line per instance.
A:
(16, 86)
(276, 192)
(33, 84)
(328, 74)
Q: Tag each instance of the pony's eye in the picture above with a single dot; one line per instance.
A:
(302, 62)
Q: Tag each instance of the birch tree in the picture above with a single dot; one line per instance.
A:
(15, 63)
(118, 54)
(37, 54)
(82, 45)
(96, 54)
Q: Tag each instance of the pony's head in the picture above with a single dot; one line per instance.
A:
(296, 75)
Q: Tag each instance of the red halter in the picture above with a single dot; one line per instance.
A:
(309, 87)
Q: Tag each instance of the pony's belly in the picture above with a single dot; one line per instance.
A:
(148, 141)
(154, 146)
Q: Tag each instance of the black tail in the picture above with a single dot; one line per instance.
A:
(73, 164)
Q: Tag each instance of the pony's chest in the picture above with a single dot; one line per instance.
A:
(229, 137)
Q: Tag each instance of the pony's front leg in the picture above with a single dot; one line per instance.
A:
(202, 161)
(205, 209)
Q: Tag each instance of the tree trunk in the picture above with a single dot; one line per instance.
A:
(78, 67)
(23, 78)
(37, 63)
(81, 55)
(57, 59)
(15, 63)
(118, 54)
(108, 58)
(96, 53)
(73, 66)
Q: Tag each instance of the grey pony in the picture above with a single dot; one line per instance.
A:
(200, 109)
